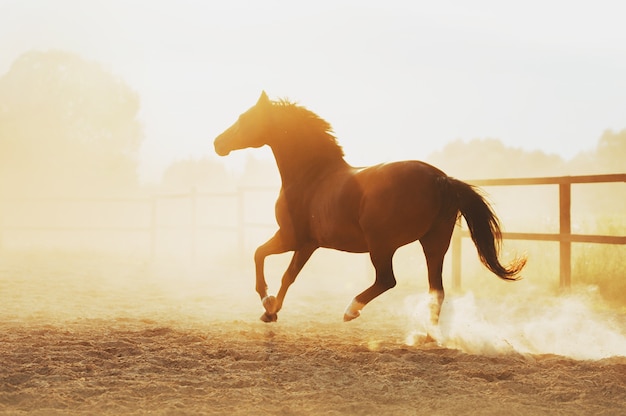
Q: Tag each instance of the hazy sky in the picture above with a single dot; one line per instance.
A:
(396, 79)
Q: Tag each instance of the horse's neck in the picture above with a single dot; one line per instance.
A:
(300, 169)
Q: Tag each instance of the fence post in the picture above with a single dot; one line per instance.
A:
(241, 233)
(456, 257)
(153, 227)
(565, 230)
(1, 227)
(194, 222)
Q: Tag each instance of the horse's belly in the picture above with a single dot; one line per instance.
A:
(351, 246)
(340, 236)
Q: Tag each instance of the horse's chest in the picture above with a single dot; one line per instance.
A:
(326, 215)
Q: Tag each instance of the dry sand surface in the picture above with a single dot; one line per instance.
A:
(85, 334)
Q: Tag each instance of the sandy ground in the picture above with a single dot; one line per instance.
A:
(85, 335)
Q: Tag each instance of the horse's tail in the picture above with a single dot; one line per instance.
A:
(484, 228)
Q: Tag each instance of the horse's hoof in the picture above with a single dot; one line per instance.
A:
(347, 317)
(353, 310)
(269, 317)
(270, 303)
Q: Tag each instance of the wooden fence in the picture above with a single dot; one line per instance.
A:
(153, 227)
(564, 237)
(242, 224)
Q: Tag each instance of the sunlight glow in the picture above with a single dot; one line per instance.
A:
(416, 76)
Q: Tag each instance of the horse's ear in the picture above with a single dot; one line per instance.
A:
(263, 99)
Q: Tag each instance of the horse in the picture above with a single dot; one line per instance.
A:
(326, 202)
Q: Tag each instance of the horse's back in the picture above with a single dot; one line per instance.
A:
(352, 209)
(400, 201)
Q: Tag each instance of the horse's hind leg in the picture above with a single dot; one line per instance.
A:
(385, 280)
(435, 245)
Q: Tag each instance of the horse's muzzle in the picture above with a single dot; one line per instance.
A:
(220, 149)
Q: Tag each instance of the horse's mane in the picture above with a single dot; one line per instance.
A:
(309, 127)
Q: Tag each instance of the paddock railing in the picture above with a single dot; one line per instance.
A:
(241, 225)
(151, 224)
(564, 237)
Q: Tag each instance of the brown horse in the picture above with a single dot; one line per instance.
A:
(325, 202)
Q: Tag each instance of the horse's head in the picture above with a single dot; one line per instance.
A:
(250, 130)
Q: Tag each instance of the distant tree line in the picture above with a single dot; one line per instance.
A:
(474, 159)
(489, 158)
(67, 126)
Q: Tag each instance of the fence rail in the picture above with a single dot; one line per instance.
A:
(564, 237)
(153, 226)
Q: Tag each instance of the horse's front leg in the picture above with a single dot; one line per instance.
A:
(274, 245)
(300, 257)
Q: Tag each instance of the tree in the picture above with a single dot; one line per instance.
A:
(66, 126)
(607, 157)
(605, 201)
(490, 158)
(611, 151)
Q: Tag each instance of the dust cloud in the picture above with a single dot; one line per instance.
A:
(568, 325)
(61, 287)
